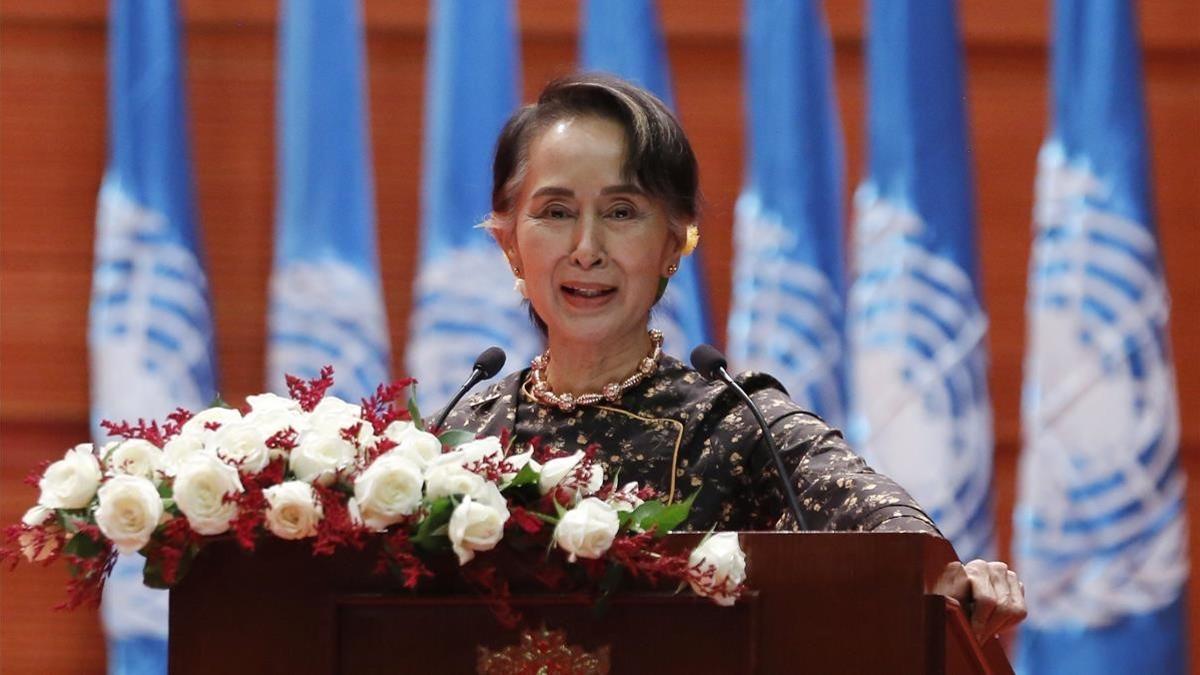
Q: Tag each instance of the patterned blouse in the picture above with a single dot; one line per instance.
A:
(680, 433)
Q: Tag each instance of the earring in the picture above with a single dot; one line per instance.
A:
(519, 287)
(672, 269)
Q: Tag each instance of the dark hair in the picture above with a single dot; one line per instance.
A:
(658, 156)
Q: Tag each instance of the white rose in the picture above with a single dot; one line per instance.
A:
(626, 499)
(37, 516)
(475, 526)
(588, 530)
(388, 490)
(420, 447)
(396, 430)
(266, 402)
(490, 495)
(561, 471)
(275, 420)
(129, 510)
(514, 463)
(178, 450)
(478, 449)
(241, 445)
(355, 512)
(201, 485)
(293, 510)
(217, 416)
(446, 479)
(71, 482)
(319, 457)
(718, 568)
(332, 415)
(38, 547)
(135, 457)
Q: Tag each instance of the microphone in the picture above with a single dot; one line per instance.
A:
(487, 364)
(711, 364)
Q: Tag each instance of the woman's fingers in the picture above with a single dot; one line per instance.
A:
(985, 596)
(1016, 593)
(995, 591)
(1003, 616)
(953, 583)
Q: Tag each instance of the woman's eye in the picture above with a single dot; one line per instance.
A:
(556, 212)
(621, 213)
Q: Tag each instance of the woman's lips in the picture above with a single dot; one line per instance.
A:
(587, 296)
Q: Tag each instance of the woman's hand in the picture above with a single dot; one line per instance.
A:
(997, 597)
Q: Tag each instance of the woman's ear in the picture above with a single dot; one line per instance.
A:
(508, 243)
(673, 252)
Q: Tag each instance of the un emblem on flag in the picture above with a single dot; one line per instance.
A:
(1101, 508)
(150, 327)
(921, 409)
(328, 313)
(465, 303)
(786, 314)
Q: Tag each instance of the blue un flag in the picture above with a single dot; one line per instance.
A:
(150, 325)
(1100, 536)
(788, 287)
(916, 327)
(326, 300)
(464, 300)
(623, 37)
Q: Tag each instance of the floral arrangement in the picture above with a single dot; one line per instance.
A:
(314, 467)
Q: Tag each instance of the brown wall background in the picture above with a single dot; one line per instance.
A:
(52, 151)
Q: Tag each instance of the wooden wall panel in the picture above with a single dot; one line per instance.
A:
(52, 117)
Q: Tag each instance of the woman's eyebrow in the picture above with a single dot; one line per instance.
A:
(552, 191)
(627, 188)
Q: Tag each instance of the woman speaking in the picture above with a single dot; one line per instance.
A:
(594, 202)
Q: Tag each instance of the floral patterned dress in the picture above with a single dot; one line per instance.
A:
(681, 433)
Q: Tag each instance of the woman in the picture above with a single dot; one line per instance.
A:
(594, 202)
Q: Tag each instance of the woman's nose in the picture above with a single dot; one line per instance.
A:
(589, 244)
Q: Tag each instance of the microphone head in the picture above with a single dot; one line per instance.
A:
(490, 362)
(708, 360)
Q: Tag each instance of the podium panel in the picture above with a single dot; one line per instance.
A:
(818, 602)
(656, 633)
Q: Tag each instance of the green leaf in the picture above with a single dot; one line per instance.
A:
(455, 437)
(413, 411)
(152, 576)
(672, 516)
(645, 513)
(219, 402)
(83, 546)
(526, 476)
(165, 490)
(623, 518)
(67, 522)
(610, 583)
(439, 515)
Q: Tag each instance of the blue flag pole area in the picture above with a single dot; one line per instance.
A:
(916, 326)
(464, 298)
(326, 304)
(150, 333)
(788, 288)
(1100, 532)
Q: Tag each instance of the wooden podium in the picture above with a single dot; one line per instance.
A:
(818, 603)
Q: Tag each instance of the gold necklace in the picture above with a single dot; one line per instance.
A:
(610, 392)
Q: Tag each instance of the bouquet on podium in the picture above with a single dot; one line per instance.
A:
(314, 467)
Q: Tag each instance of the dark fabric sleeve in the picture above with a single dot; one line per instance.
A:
(835, 487)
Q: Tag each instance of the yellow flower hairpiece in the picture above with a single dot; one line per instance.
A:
(693, 238)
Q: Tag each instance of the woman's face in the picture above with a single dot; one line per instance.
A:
(590, 245)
